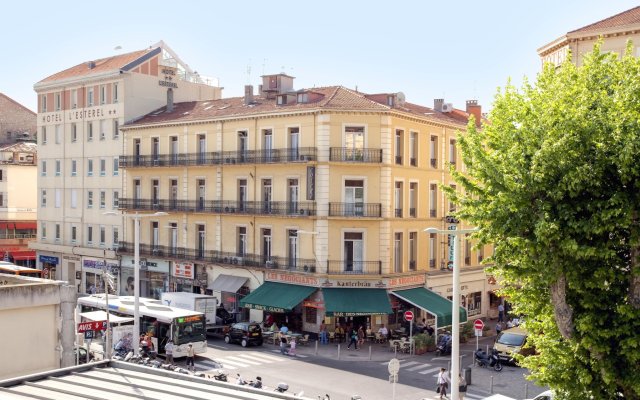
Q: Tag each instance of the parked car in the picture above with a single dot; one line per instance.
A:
(245, 333)
(512, 341)
(546, 395)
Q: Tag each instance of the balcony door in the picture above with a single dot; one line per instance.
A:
(267, 145)
(354, 197)
(155, 193)
(137, 192)
(201, 194)
(174, 149)
(174, 194)
(201, 241)
(243, 143)
(266, 247)
(294, 143)
(293, 195)
(354, 143)
(173, 237)
(155, 150)
(242, 194)
(353, 251)
(292, 248)
(155, 237)
(242, 241)
(202, 149)
(266, 195)
(136, 151)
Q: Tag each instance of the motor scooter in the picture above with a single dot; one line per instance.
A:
(490, 361)
(444, 346)
(220, 375)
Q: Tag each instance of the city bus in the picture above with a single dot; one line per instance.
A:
(12, 269)
(160, 321)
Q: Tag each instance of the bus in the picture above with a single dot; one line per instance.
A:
(12, 269)
(160, 321)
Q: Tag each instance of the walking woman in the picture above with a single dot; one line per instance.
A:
(443, 383)
(353, 339)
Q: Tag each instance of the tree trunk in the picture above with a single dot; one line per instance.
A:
(562, 311)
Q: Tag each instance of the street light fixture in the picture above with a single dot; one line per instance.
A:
(455, 313)
(136, 268)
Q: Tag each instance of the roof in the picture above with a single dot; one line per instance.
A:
(20, 147)
(114, 380)
(16, 103)
(624, 18)
(113, 63)
(334, 98)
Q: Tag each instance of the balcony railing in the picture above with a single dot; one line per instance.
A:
(221, 257)
(398, 212)
(413, 161)
(345, 154)
(412, 265)
(355, 210)
(288, 208)
(354, 267)
(433, 213)
(286, 155)
(412, 212)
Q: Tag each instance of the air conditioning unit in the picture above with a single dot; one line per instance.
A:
(270, 264)
(447, 107)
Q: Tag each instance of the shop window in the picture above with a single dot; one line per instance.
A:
(310, 315)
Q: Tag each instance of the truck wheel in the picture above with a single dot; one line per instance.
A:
(227, 339)
(244, 343)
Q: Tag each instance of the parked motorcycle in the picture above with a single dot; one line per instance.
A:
(488, 360)
(220, 375)
(444, 345)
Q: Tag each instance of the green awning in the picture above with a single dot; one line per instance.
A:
(276, 297)
(349, 302)
(431, 302)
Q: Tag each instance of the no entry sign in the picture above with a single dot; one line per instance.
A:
(478, 324)
(408, 315)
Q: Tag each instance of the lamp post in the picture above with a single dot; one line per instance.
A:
(455, 313)
(136, 268)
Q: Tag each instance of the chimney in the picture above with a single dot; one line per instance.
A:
(91, 64)
(248, 94)
(259, 90)
(476, 110)
(437, 104)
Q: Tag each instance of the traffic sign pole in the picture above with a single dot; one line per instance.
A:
(408, 316)
(478, 324)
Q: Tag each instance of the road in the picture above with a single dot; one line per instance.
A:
(354, 373)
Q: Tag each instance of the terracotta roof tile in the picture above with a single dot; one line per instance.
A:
(16, 103)
(101, 65)
(331, 98)
(628, 17)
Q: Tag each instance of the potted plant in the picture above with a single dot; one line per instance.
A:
(466, 332)
(421, 343)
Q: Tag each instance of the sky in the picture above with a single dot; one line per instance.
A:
(427, 49)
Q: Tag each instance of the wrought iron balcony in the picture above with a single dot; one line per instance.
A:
(398, 212)
(412, 212)
(273, 156)
(345, 154)
(354, 267)
(355, 210)
(220, 257)
(434, 162)
(286, 208)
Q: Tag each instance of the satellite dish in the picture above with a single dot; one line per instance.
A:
(400, 98)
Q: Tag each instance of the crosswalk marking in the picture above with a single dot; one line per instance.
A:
(421, 366)
(270, 357)
(241, 360)
(406, 364)
(429, 371)
(214, 365)
(255, 358)
(226, 362)
(297, 355)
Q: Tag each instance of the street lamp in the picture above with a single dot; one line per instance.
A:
(136, 268)
(455, 313)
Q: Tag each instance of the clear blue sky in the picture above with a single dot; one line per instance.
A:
(427, 49)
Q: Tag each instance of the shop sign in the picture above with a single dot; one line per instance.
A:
(313, 304)
(98, 264)
(354, 314)
(183, 270)
(49, 259)
(291, 278)
(153, 265)
(361, 284)
(71, 258)
(407, 281)
(264, 308)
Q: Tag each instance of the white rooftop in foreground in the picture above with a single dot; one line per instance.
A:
(113, 380)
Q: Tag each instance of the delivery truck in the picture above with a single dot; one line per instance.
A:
(216, 316)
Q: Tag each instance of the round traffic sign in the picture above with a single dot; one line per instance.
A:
(394, 366)
(408, 315)
(478, 324)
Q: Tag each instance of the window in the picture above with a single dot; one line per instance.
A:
(242, 241)
(89, 167)
(103, 199)
(89, 131)
(433, 249)
(58, 133)
(292, 248)
(43, 103)
(116, 199)
(74, 132)
(74, 98)
(354, 197)
(1, 175)
(413, 149)
(90, 97)
(57, 237)
(397, 252)
(43, 198)
(155, 150)
(398, 199)
(74, 234)
(480, 254)
(103, 167)
(58, 198)
(433, 151)
(116, 129)
(102, 129)
(116, 166)
(433, 200)
(115, 237)
(103, 235)
(353, 250)
(58, 101)
(57, 167)
(3, 198)
(90, 199)
(155, 192)
(43, 135)
(89, 234)
(74, 168)
(413, 199)
(43, 171)
(399, 146)
(413, 250)
(103, 94)
(467, 252)
(303, 97)
(116, 93)
(452, 152)
(43, 230)
(74, 198)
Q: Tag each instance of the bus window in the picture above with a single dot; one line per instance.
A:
(189, 329)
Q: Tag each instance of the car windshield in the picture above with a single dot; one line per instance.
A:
(510, 339)
(189, 329)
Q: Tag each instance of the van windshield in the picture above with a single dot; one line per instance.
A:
(510, 339)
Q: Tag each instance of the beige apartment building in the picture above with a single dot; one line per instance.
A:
(615, 32)
(80, 112)
(308, 204)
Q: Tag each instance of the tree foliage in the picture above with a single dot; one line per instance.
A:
(553, 181)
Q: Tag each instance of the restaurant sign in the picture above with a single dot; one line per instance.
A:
(265, 308)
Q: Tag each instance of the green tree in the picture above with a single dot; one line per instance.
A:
(553, 181)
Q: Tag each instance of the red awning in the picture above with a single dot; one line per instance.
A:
(6, 225)
(23, 255)
(23, 258)
(27, 225)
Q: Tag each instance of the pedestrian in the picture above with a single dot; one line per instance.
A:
(323, 333)
(443, 383)
(500, 312)
(384, 332)
(498, 328)
(339, 333)
(191, 355)
(168, 349)
(283, 344)
(462, 387)
(284, 329)
(292, 347)
(360, 336)
(353, 339)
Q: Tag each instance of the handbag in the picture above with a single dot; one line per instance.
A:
(438, 389)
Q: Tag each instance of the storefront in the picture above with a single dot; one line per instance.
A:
(230, 289)
(154, 277)
(49, 265)
(473, 291)
(93, 281)
(183, 277)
